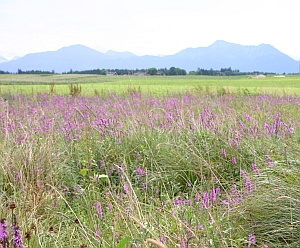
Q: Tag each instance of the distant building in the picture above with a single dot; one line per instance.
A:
(112, 73)
(260, 76)
(139, 74)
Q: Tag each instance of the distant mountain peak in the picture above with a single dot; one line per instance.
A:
(123, 55)
(2, 59)
(222, 43)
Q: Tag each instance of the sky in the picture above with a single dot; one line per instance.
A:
(146, 27)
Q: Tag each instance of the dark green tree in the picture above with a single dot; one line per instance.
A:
(152, 71)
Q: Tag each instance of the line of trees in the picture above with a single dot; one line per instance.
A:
(164, 71)
(224, 72)
(173, 71)
(4, 72)
(35, 72)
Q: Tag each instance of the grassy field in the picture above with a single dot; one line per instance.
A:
(189, 169)
(91, 84)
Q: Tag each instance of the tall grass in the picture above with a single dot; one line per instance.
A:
(187, 170)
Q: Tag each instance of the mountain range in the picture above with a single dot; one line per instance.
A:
(220, 54)
(2, 59)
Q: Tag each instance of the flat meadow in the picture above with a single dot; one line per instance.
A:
(95, 161)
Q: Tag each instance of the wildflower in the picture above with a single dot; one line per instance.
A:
(214, 194)
(144, 186)
(176, 202)
(17, 237)
(109, 206)
(98, 233)
(248, 185)
(233, 160)
(99, 209)
(224, 153)
(205, 200)
(254, 167)
(236, 143)
(163, 239)
(126, 188)
(252, 240)
(243, 173)
(200, 227)
(141, 172)
(127, 210)
(3, 233)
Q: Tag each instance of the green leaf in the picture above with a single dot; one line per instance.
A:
(123, 242)
(84, 172)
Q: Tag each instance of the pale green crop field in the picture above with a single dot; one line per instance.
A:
(91, 84)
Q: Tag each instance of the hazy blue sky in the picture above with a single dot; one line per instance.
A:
(146, 27)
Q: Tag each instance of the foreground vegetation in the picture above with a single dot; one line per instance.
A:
(184, 170)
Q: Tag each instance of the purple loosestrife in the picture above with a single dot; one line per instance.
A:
(233, 160)
(98, 233)
(4, 242)
(248, 186)
(224, 153)
(126, 188)
(141, 172)
(214, 194)
(205, 200)
(99, 209)
(252, 240)
(17, 237)
(163, 239)
(236, 143)
(255, 168)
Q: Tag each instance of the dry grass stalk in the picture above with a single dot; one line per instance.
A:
(155, 242)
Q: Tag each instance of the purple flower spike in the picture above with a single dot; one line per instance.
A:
(17, 237)
(224, 153)
(126, 188)
(99, 209)
(256, 170)
(233, 160)
(3, 233)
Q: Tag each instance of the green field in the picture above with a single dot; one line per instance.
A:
(154, 85)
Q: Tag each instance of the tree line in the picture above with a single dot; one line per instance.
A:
(225, 72)
(172, 71)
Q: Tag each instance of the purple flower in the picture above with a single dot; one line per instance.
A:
(144, 186)
(163, 239)
(248, 185)
(252, 240)
(200, 227)
(126, 188)
(214, 194)
(236, 143)
(141, 172)
(99, 209)
(3, 233)
(205, 200)
(127, 210)
(224, 153)
(176, 202)
(256, 170)
(233, 160)
(98, 233)
(17, 237)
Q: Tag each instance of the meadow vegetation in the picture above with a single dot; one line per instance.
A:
(154, 85)
(202, 167)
